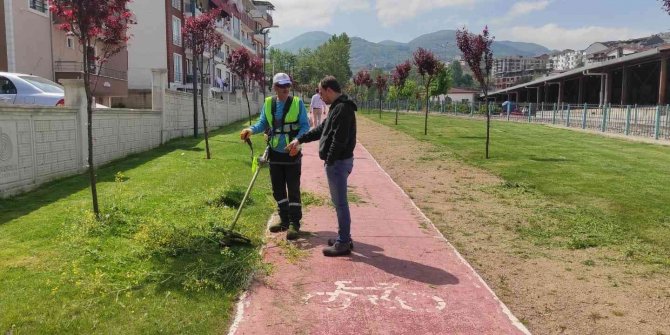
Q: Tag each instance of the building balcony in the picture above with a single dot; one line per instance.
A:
(232, 10)
(105, 81)
(233, 38)
(261, 17)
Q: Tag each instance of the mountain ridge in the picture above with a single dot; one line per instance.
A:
(386, 54)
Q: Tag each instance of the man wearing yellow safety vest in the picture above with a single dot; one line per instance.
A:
(283, 118)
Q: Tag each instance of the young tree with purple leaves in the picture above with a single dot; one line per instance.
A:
(381, 85)
(400, 75)
(362, 78)
(477, 53)
(101, 27)
(200, 33)
(428, 67)
(666, 5)
(247, 67)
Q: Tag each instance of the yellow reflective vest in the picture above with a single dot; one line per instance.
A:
(288, 127)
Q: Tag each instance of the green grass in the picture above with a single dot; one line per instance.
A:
(592, 191)
(152, 264)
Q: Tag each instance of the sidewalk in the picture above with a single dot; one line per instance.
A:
(402, 278)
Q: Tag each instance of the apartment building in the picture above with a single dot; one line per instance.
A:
(31, 43)
(603, 51)
(566, 60)
(509, 71)
(157, 41)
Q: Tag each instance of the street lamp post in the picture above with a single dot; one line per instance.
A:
(264, 31)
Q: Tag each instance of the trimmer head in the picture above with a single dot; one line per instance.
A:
(229, 237)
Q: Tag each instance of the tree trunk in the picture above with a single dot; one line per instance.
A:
(380, 106)
(202, 108)
(488, 122)
(244, 87)
(195, 95)
(89, 126)
(425, 122)
(397, 107)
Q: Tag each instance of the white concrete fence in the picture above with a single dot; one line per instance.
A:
(40, 144)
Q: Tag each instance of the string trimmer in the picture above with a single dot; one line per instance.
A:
(230, 236)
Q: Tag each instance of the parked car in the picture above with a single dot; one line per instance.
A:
(24, 89)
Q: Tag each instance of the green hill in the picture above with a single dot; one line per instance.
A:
(386, 54)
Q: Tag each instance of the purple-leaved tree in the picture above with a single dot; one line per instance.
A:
(428, 67)
(362, 78)
(101, 27)
(400, 75)
(200, 34)
(477, 53)
(666, 5)
(247, 67)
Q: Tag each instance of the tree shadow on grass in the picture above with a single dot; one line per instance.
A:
(48, 193)
(549, 159)
(374, 255)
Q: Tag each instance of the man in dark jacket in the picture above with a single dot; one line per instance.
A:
(337, 139)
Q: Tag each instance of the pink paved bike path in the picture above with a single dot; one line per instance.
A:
(402, 278)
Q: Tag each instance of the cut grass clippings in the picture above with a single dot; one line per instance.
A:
(589, 191)
(151, 264)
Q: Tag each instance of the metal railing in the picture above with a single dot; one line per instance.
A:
(72, 66)
(630, 120)
(189, 79)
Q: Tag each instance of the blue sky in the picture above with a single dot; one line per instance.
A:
(556, 24)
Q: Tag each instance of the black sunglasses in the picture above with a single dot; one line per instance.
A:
(283, 85)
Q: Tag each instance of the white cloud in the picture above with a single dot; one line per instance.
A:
(555, 37)
(391, 12)
(522, 8)
(313, 14)
(525, 7)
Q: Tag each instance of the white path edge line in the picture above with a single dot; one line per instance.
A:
(504, 308)
(244, 297)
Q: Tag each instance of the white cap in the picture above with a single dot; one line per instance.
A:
(281, 79)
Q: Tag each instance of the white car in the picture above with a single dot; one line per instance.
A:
(24, 89)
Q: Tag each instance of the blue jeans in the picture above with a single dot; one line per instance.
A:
(337, 183)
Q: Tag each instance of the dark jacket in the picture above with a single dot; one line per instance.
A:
(337, 134)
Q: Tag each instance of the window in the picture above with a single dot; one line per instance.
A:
(176, 31)
(6, 86)
(178, 72)
(45, 85)
(39, 5)
(176, 4)
(69, 42)
(189, 66)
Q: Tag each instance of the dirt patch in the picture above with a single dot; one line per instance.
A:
(551, 290)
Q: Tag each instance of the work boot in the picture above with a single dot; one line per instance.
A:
(293, 233)
(279, 227)
(332, 241)
(337, 249)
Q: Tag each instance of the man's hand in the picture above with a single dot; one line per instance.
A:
(245, 134)
(293, 147)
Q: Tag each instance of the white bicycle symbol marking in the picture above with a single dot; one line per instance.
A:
(343, 295)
